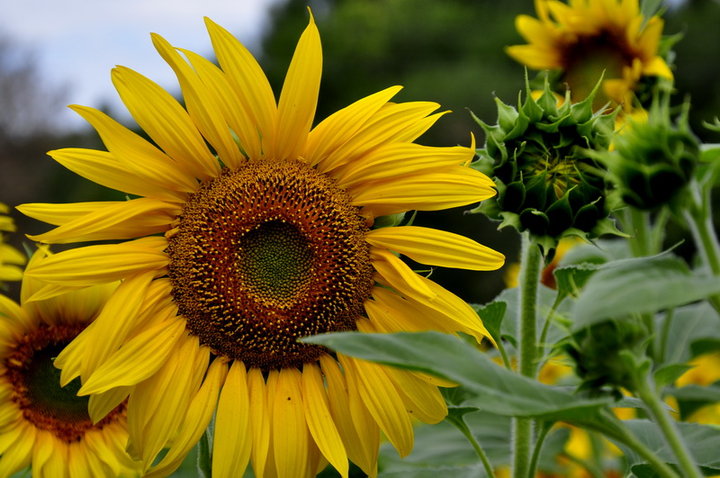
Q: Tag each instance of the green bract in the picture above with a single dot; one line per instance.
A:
(547, 182)
(654, 159)
(603, 355)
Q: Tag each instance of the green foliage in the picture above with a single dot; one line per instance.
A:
(640, 285)
(491, 388)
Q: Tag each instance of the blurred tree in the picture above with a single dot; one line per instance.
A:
(697, 69)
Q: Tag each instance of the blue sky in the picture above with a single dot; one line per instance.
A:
(77, 42)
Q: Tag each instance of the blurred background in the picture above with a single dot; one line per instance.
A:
(451, 52)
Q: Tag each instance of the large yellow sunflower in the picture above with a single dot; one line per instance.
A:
(252, 230)
(586, 38)
(10, 258)
(41, 423)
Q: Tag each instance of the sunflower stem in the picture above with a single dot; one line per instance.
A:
(648, 394)
(204, 461)
(530, 262)
(461, 425)
(621, 433)
(699, 220)
(542, 434)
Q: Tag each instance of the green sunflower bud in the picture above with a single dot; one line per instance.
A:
(605, 355)
(653, 160)
(547, 182)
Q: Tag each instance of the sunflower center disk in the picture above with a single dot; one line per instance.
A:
(267, 254)
(274, 261)
(36, 385)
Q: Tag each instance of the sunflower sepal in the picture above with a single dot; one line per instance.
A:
(546, 181)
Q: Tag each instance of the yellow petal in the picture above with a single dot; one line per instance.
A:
(436, 247)
(399, 159)
(289, 431)
(259, 421)
(320, 421)
(167, 123)
(91, 265)
(383, 402)
(157, 407)
(247, 79)
(338, 128)
(115, 220)
(196, 421)
(395, 273)
(203, 104)
(298, 99)
(136, 360)
(456, 186)
(359, 432)
(391, 122)
(138, 155)
(101, 404)
(17, 456)
(104, 169)
(657, 67)
(232, 440)
(535, 57)
(77, 464)
(106, 333)
(231, 107)
(59, 214)
(534, 31)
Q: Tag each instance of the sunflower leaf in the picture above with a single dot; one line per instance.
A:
(491, 387)
(702, 440)
(640, 285)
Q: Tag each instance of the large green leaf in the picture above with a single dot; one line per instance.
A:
(690, 325)
(492, 388)
(640, 285)
(442, 448)
(702, 440)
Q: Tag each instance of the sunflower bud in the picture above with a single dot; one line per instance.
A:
(653, 159)
(605, 355)
(547, 183)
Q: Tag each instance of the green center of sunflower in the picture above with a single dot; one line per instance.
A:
(36, 386)
(267, 254)
(274, 260)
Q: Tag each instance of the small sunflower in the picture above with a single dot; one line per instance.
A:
(588, 38)
(250, 229)
(10, 258)
(41, 423)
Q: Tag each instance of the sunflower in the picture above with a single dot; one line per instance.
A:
(10, 258)
(41, 423)
(588, 38)
(250, 230)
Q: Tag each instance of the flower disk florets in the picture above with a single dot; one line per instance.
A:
(547, 183)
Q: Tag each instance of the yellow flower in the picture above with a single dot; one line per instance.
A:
(42, 424)
(585, 38)
(252, 230)
(10, 258)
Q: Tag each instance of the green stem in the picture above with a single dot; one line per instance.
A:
(699, 220)
(530, 262)
(647, 393)
(638, 226)
(461, 425)
(616, 429)
(664, 336)
(591, 468)
(542, 434)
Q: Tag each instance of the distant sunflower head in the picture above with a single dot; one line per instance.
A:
(11, 259)
(587, 39)
(250, 229)
(45, 425)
